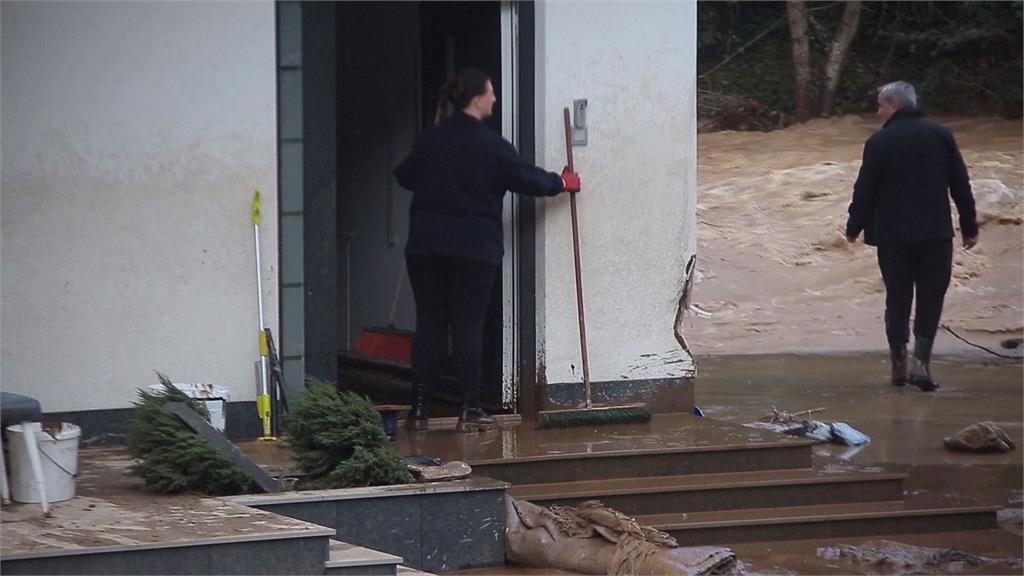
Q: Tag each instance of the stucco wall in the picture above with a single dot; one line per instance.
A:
(635, 62)
(134, 134)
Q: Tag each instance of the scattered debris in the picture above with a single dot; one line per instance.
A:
(889, 557)
(428, 469)
(700, 312)
(718, 111)
(790, 423)
(981, 437)
(1011, 519)
(782, 417)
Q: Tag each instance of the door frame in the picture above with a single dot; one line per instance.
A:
(510, 265)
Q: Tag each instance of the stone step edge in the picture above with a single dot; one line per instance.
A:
(770, 445)
(524, 490)
(345, 555)
(403, 570)
(898, 512)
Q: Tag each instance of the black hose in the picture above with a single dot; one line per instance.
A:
(964, 340)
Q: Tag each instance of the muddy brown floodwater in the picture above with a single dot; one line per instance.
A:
(774, 267)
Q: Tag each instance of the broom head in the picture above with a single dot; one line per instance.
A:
(386, 344)
(629, 414)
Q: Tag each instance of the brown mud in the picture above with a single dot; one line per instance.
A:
(775, 270)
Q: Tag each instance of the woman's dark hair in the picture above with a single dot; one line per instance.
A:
(459, 91)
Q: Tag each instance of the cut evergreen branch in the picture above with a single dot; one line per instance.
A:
(171, 457)
(339, 442)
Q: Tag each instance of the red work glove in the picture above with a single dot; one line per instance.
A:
(570, 180)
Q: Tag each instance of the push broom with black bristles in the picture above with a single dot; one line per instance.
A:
(588, 415)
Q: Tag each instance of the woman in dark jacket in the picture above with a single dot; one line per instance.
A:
(459, 171)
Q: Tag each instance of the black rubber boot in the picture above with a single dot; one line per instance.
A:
(919, 374)
(473, 418)
(418, 414)
(898, 358)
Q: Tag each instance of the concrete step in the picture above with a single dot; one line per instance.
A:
(345, 558)
(670, 445)
(824, 521)
(711, 492)
(644, 463)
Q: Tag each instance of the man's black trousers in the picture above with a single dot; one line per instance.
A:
(450, 292)
(923, 267)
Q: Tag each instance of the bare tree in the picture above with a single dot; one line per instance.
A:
(797, 12)
(837, 54)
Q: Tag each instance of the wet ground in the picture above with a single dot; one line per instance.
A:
(113, 511)
(906, 426)
(775, 269)
(990, 552)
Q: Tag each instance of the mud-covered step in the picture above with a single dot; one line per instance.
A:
(829, 521)
(710, 492)
(670, 445)
(642, 463)
(345, 558)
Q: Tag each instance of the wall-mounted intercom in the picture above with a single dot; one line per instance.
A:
(579, 122)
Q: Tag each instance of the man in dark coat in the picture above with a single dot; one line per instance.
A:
(901, 202)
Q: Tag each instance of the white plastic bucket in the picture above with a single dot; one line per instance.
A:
(58, 457)
(213, 397)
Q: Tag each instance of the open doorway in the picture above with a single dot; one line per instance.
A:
(392, 59)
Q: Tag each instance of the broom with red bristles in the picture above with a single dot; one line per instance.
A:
(387, 342)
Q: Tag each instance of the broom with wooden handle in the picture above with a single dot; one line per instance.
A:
(588, 415)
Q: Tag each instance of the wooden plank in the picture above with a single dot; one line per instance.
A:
(222, 444)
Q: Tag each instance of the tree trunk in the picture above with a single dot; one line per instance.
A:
(883, 72)
(797, 12)
(837, 54)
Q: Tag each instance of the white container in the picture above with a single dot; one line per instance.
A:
(213, 397)
(58, 457)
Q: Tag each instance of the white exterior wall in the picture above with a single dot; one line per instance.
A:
(635, 62)
(133, 136)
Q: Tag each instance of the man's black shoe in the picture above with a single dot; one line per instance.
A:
(898, 358)
(920, 376)
(925, 384)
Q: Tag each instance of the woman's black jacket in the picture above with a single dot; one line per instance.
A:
(458, 173)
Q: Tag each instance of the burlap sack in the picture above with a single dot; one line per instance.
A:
(981, 437)
(594, 539)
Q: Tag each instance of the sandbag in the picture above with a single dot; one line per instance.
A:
(594, 539)
(533, 539)
(981, 437)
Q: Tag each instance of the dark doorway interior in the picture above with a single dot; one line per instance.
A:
(392, 59)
